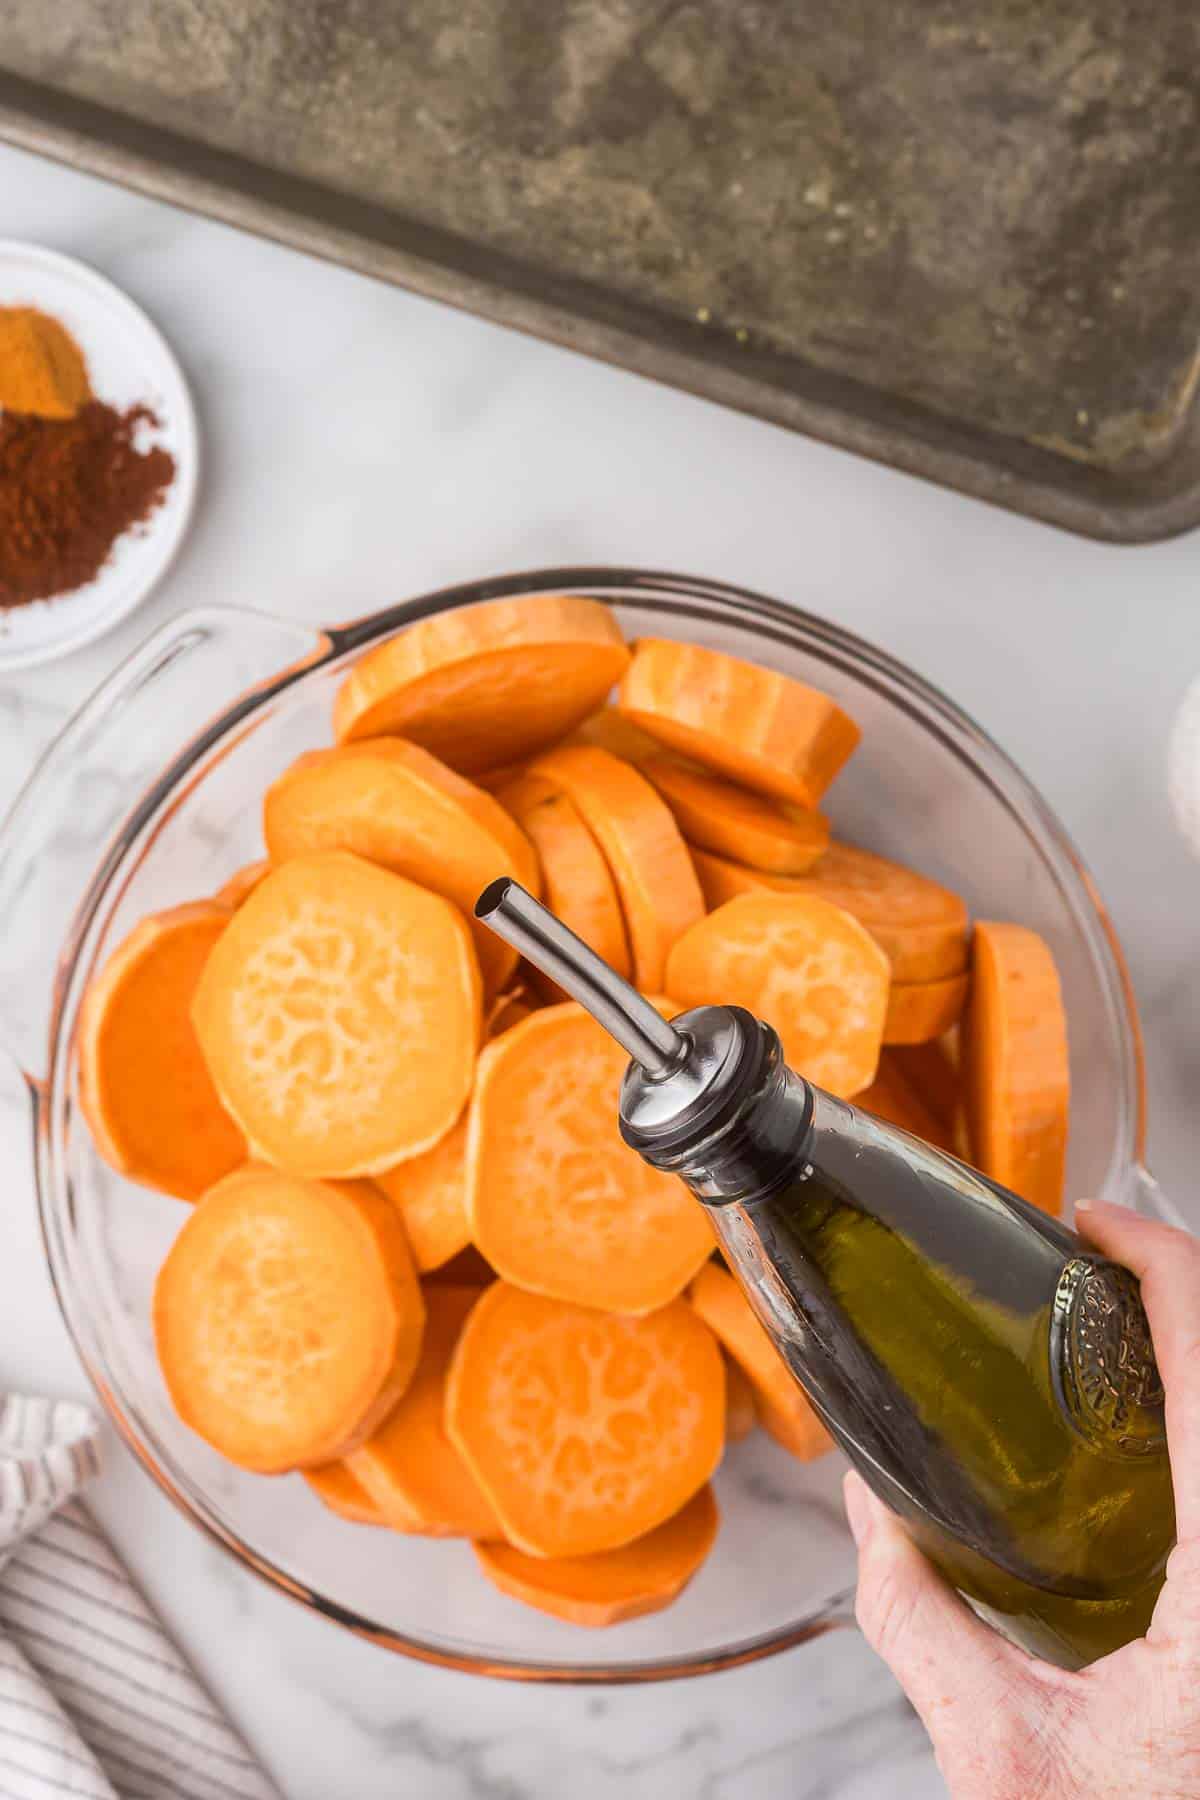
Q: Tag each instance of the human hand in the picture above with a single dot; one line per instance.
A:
(1004, 1725)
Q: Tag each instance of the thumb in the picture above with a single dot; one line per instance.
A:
(953, 1667)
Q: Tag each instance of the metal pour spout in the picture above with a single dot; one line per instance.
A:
(514, 915)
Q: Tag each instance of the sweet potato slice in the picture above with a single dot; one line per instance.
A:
(409, 1467)
(656, 882)
(1016, 1070)
(489, 683)
(752, 828)
(242, 883)
(492, 780)
(896, 1100)
(614, 1585)
(144, 1086)
(741, 1408)
(806, 967)
(556, 1201)
(431, 1189)
(508, 1009)
(339, 1016)
(921, 1010)
(585, 1429)
(396, 805)
(431, 1193)
(610, 730)
(754, 725)
(288, 1318)
(922, 927)
(577, 883)
(931, 1071)
(339, 1490)
(782, 1406)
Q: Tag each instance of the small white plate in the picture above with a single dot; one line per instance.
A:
(129, 362)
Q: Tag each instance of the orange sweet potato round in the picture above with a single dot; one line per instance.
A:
(287, 1318)
(585, 1429)
(486, 684)
(752, 724)
(556, 1201)
(1016, 1067)
(921, 926)
(340, 1015)
(613, 1585)
(409, 1468)
(753, 828)
(147, 1094)
(336, 1488)
(656, 882)
(806, 967)
(781, 1403)
(396, 805)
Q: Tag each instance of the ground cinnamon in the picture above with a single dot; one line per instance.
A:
(68, 489)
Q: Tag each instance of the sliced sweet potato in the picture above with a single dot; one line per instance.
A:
(144, 1086)
(752, 828)
(781, 1403)
(895, 1099)
(806, 967)
(656, 882)
(614, 1585)
(339, 1016)
(396, 805)
(508, 1009)
(585, 1429)
(431, 1193)
(577, 882)
(339, 1490)
(931, 1071)
(287, 1318)
(610, 730)
(242, 883)
(492, 780)
(489, 683)
(741, 1408)
(759, 727)
(1016, 1069)
(409, 1467)
(921, 926)
(919, 1011)
(556, 1201)
(431, 1189)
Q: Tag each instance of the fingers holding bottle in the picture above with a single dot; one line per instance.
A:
(1166, 1261)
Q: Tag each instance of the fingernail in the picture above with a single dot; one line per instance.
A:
(859, 1511)
(1084, 1205)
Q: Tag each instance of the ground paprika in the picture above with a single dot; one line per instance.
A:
(68, 489)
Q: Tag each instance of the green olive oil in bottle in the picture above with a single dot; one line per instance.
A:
(990, 1377)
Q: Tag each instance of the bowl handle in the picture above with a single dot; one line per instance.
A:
(62, 834)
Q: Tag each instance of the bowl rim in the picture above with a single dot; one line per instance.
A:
(785, 623)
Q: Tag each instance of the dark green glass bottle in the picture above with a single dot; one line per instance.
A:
(991, 1378)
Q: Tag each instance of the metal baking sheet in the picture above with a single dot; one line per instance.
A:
(959, 236)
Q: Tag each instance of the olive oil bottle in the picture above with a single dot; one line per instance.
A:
(991, 1378)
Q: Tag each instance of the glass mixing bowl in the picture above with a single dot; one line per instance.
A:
(151, 797)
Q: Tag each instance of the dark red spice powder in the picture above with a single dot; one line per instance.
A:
(68, 489)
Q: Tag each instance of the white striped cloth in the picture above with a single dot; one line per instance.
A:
(95, 1700)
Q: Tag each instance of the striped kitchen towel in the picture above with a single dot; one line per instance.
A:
(95, 1700)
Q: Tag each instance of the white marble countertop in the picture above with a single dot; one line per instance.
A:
(362, 445)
